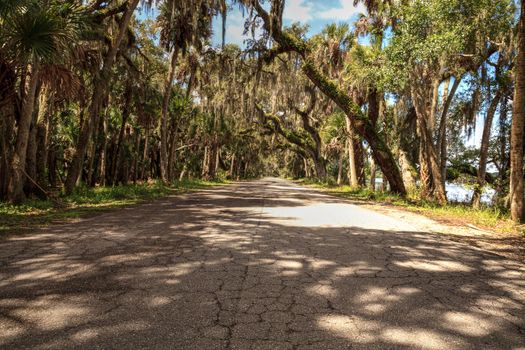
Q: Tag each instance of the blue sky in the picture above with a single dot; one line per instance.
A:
(315, 13)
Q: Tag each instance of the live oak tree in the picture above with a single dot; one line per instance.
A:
(518, 123)
(92, 94)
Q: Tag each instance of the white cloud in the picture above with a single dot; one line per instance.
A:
(345, 11)
(298, 11)
(235, 29)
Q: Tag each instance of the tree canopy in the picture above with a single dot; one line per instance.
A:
(93, 93)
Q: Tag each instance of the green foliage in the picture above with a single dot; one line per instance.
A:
(435, 33)
(86, 201)
(334, 128)
(41, 31)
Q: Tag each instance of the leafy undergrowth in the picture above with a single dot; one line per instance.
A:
(86, 202)
(488, 218)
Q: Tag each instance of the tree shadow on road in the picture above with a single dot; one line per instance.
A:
(233, 269)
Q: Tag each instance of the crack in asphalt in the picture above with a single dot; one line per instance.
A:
(256, 265)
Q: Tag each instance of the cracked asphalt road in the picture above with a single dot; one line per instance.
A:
(257, 265)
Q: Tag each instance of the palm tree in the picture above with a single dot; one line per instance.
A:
(32, 36)
(184, 24)
(100, 86)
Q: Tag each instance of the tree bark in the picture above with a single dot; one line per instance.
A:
(320, 167)
(316, 150)
(434, 183)
(135, 162)
(172, 151)
(232, 167)
(408, 170)
(204, 172)
(434, 104)
(103, 152)
(352, 166)
(373, 171)
(29, 187)
(165, 114)
(518, 123)
(52, 167)
(306, 168)
(43, 126)
(125, 115)
(483, 153)
(442, 136)
(340, 169)
(145, 155)
(15, 187)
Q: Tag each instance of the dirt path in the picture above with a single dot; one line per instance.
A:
(259, 265)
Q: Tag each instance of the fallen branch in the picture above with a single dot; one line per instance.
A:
(57, 202)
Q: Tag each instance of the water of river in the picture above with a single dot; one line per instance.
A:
(459, 193)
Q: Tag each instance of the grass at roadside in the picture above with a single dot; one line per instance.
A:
(494, 219)
(86, 202)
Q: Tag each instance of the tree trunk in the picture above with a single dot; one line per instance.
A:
(359, 121)
(136, 155)
(6, 125)
(165, 113)
(383, 183)
(246, 169)
(29, 186)
(93, 150)
(183, 173)
(340, 168)
(442, 136)
(103, 152)
(172, 152)
(372, 175)
(502, 187)
(352, 166)
(429, 166)
(145, 155)
(99, 90)
(518, 123)
(425, 178)
(320, 167)
(125, 115)
(15, 188)
(218, 160)
(52, 167)
(408, 171)
(362, 125)
(306, 168)
(360, 154)
(239, 165)
(212, 158)
(232, 167)
(204, 172)
(92, 154)
(483, 153)
(43, 126)
(434, 104)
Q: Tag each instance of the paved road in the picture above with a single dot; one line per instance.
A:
(259, 265)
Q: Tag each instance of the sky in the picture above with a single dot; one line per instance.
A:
(316, 13)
